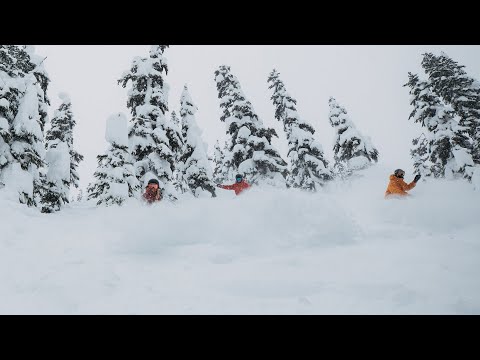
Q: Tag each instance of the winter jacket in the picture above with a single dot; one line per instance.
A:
(238, 187)
(152, 196)
(398, 187)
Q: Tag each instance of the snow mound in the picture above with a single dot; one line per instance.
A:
(58, 160)
(17, 180)
(344, 250)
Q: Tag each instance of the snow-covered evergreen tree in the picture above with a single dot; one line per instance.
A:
(115, 175)
(250, 151)
(448, 147)
(421, 156)
(42, 80)
(61, 130)
(55, 187)
(194, 162)
(450, 81)
(308, 166)
(10, 94)
(222, 159)
(227, 170)
(178, 180)
(153, 139)
(175, 120)
(26, 146)
(11, 86)
(23, 114)
(341, 170)
(218, 158)
(351, 148)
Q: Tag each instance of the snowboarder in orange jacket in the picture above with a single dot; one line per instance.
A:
(397, 187)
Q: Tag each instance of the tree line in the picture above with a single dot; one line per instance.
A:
(154, 142)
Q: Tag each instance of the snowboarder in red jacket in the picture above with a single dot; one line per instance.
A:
(152, 192)
(239, 186)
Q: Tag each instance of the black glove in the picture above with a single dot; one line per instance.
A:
(219, 186)
(417, 178)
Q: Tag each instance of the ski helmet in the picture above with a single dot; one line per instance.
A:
(153, 181)
(239, 177)
(399, 173)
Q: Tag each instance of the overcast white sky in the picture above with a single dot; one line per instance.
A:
(367, 80)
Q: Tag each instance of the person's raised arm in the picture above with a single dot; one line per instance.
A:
(407, 187)
(226, 187)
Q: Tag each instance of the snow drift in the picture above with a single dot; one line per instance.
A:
(344, 250)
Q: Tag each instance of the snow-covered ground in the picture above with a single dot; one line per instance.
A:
(343, 251)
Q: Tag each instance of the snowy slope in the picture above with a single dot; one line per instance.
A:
(343, 251)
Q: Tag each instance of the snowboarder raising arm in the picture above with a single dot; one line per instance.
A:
(239, 186)
(397, 187)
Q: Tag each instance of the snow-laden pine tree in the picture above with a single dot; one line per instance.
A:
(10, 95)
(179, 182)
(115, 174)
(341, 170)
(218, 157)
(194, 163)
(43, 80)
(23, 114)
(250, 151)
(448, 147)
(225, 171)
(61, 130)
(55, 190)
(308, 166)
(450, 81)
(153, 139)
(351, 149)
(26, 145)
(421, 156)
(175, 119)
